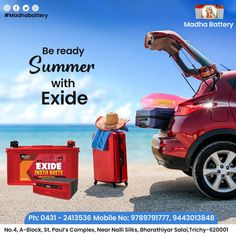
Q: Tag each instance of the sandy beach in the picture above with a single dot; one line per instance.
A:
(151, 188)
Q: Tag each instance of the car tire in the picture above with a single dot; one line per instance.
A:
(188, 172)
(214, 170)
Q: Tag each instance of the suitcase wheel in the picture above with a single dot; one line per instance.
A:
(114, 185)
(126, 183)
(95, 182)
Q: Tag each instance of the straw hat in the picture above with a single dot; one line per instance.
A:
(110, 121)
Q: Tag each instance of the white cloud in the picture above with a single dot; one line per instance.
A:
(24, 86)
(83, 83)
(6, 110)
(97, 94)
(51, 113)
(125, 111)
(21, 105)
(35, 113)
(29, 114)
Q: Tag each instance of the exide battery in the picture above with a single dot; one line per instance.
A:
(27, 163)
(63, 188)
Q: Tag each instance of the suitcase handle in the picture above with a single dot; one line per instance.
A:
(121, 154)
(25, 156)
(142, 119)
(143, 125)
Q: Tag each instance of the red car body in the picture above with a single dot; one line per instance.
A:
(201, 136)
(187, 133)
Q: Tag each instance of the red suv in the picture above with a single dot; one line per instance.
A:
(201, 136)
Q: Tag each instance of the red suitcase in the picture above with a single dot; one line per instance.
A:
(110, 166)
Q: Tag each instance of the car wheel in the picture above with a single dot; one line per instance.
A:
(214, 170)
(188, 172)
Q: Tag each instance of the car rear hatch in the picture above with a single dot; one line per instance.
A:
(178, 49)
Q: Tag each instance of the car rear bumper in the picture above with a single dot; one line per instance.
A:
(169, 152)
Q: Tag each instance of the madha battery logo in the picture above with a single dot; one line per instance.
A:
(209, 15)
(209, 11)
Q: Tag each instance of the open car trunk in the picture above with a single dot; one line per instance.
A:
(178, 49)
(183, 54)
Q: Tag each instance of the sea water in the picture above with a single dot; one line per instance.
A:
(138, 140)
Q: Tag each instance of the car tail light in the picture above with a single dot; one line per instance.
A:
(183, 110)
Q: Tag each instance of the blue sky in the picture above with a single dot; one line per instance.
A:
(112, 33)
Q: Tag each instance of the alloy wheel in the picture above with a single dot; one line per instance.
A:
(219, 171)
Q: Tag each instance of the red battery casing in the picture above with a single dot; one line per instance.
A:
(63, 188)
(27, 163)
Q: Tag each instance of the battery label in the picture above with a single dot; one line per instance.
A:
(24, 166)
(48, 172)
(48, 166)
(47, 169)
